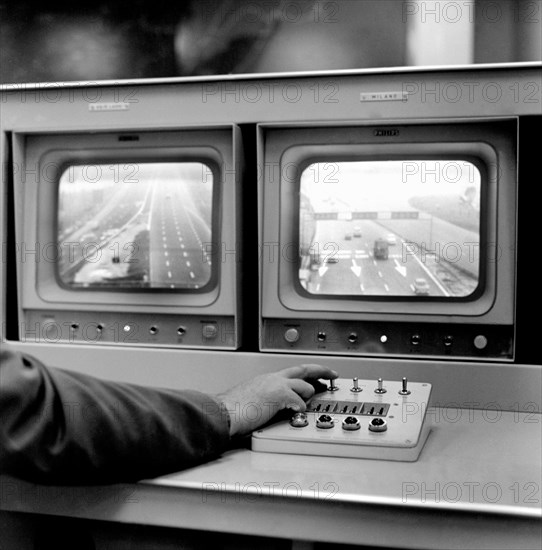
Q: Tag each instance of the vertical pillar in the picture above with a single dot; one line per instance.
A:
(439, 32)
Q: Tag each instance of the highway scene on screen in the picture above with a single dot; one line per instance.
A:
(390, 228)
(135, 225)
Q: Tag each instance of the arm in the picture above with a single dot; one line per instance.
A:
(63, 427)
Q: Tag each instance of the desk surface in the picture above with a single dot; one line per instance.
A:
(476, 485)
(473, 461)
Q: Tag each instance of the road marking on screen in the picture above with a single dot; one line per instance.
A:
(356, 269)
(400, 268)
(431, 276)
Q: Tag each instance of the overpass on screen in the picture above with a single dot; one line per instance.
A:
(368, 215)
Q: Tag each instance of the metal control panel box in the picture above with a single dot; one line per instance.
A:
(355, 419)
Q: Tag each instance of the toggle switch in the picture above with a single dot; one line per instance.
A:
(380, 388)
(355, 388)
(404, 390)
(332, 386)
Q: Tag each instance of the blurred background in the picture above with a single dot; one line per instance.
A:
(61, 40)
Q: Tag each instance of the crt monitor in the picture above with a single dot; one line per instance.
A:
(394, 239)
(124, 232)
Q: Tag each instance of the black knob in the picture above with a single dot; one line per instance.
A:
(415, 339)
(324, 421)
(378, 425)
(299, 420)
(351, 423)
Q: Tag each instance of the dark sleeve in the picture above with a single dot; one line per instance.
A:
(67, 428)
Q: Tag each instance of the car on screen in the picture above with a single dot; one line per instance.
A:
(392, 239)
(421, 286)
(348, 237)
(357, 231)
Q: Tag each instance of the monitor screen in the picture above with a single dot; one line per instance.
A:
(135, 225)
(385, 228)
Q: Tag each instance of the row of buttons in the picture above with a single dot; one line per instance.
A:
(292, 335)
(349, 423)
(208, 331)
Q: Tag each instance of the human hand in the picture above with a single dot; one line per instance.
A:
(254, 402)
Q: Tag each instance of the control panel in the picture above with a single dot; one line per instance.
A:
(87, 327)
(384, 420)
(399, 339)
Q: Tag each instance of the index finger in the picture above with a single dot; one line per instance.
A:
(310, 372)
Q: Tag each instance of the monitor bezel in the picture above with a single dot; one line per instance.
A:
(490, 141)
(215, 145)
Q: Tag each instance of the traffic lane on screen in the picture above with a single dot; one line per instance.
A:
(178, 237)
(350, 266)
